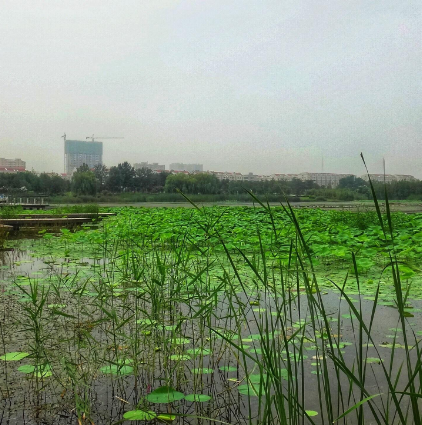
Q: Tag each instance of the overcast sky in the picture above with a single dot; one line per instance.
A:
(264, 86)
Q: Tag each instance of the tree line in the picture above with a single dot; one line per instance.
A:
(26, 181)
(125, 178)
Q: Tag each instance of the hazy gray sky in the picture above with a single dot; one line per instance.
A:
(264, 86)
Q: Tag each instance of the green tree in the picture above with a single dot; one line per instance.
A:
(44, 183)
(127, 175)
(144, 179)
(101, 173)
(193, 183)
(84, 183)
(177, 182)
(58, 185)
(352, 183)
(114, 180)
(83, 168)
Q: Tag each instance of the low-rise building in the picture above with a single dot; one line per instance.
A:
(12, 165)
(251, 177)
(180, 166)
(283, 177)
(406, 177)
(323, 179)
(389, 178)
(331, 180)
(179, 172)
(155, 166)
(225, 175)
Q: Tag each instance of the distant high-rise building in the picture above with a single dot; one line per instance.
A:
(12, 165)
(79, 152)
(155, 166)
(179, 166)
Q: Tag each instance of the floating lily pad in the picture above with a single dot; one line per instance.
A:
(180, 341)
(166, 417)
(200, 398)
(164, 395)
(14, 357)
(42, 371)
(202, 370)
(117, 370)
(180, 357)
(248, 390)
(256, 378)
(170, 327)
(390, 345)
(139, 415)
(373, 360)
(199, 351)
(56, 305)
(146, 322)
(228, 368)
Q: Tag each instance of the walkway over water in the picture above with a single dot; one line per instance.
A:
(49, 220)
(27, 203)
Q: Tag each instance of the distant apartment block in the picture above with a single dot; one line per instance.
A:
(179, 166)
(282, 177)
(225, 175)
(406, 177)
(79, 152)
(389, 178)
(251, 177)
(155, 166)
(180, 172)
(321, 179)
(324, 179)
(12, 165)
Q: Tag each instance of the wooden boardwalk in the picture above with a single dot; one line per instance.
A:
(26, 203)
(48, 220)
(70, 215)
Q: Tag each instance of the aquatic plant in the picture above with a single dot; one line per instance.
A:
(219, 315)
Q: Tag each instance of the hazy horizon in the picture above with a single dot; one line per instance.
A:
(268, 87)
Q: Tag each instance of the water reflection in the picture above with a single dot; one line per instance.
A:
(87, 339)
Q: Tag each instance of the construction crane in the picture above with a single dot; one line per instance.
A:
(102, 137)
(64, 165)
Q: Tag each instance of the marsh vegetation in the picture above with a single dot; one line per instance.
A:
(215, 315)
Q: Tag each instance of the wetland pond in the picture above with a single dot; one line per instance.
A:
(218, 315)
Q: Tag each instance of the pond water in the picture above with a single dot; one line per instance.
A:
(106, 339)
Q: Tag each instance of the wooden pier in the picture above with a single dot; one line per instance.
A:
(69, 215)
(26, 203)
(51, 221)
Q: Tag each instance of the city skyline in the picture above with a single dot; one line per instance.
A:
(72, 162)
(323, 166)
(265, 87)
